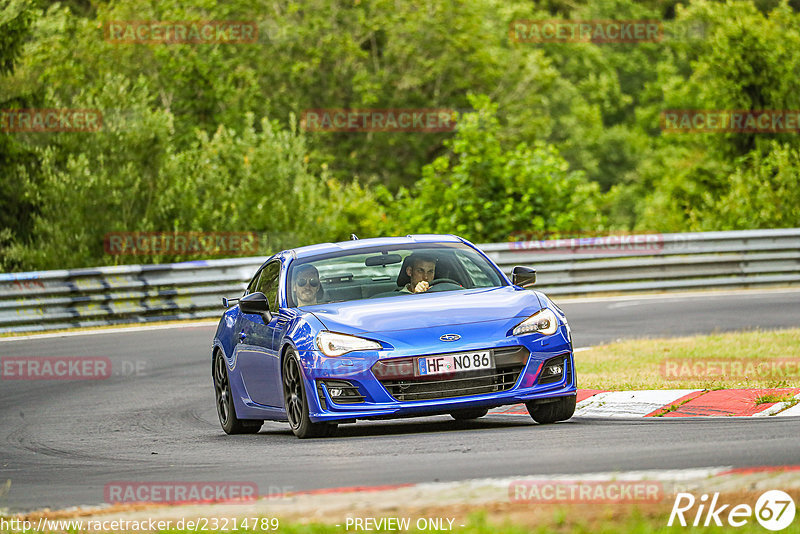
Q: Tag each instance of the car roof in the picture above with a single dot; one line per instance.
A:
(325, 248)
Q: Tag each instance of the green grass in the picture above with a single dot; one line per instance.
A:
(641, 363)
(520, 518)
(765, 399)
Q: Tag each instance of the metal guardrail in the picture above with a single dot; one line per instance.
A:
(657, 262)
(47, 300)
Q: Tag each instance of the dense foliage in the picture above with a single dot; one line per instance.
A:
(551, 137)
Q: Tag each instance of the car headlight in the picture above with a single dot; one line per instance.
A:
(542, 322)
(333, 344)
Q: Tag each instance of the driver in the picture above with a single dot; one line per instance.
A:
(307, 289)
(421, 268)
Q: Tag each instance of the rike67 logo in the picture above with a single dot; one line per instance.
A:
(774, 510)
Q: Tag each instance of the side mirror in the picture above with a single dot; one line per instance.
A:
(255, 303)
(523, 276)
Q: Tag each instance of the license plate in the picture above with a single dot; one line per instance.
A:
(453, 363)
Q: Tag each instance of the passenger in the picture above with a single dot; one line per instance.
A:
(307, 289)
(421, 268)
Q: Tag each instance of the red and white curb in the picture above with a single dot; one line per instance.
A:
(678, 403)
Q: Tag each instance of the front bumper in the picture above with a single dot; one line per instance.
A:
(373, 399)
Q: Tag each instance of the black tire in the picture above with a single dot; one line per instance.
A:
(294, 398)
(468, 415)
(545, 413)
(225, 409)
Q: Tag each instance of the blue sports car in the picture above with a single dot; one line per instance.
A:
(385, 328)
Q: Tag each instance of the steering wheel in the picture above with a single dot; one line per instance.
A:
(443, 281)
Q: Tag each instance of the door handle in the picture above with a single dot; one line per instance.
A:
(242, 335)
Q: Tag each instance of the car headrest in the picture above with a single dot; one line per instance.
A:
(402, 277)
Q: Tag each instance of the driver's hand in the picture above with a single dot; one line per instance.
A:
(422, 287)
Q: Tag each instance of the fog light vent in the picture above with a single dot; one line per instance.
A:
(343, 392)
(552, 370)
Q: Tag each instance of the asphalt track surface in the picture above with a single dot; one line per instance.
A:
(61, 442)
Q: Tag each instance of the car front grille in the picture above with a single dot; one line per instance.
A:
(397, 376)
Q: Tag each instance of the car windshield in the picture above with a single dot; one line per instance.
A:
(384, 272)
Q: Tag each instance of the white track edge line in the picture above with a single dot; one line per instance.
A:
(120, 330)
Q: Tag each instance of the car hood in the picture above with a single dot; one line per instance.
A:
(430, 310)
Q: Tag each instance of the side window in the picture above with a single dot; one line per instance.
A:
(268, 283)
(251, 287)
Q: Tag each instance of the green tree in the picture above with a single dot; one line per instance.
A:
(748, 61)
(764, 192)
(487, 192)
(16, 19)
(131, 176)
